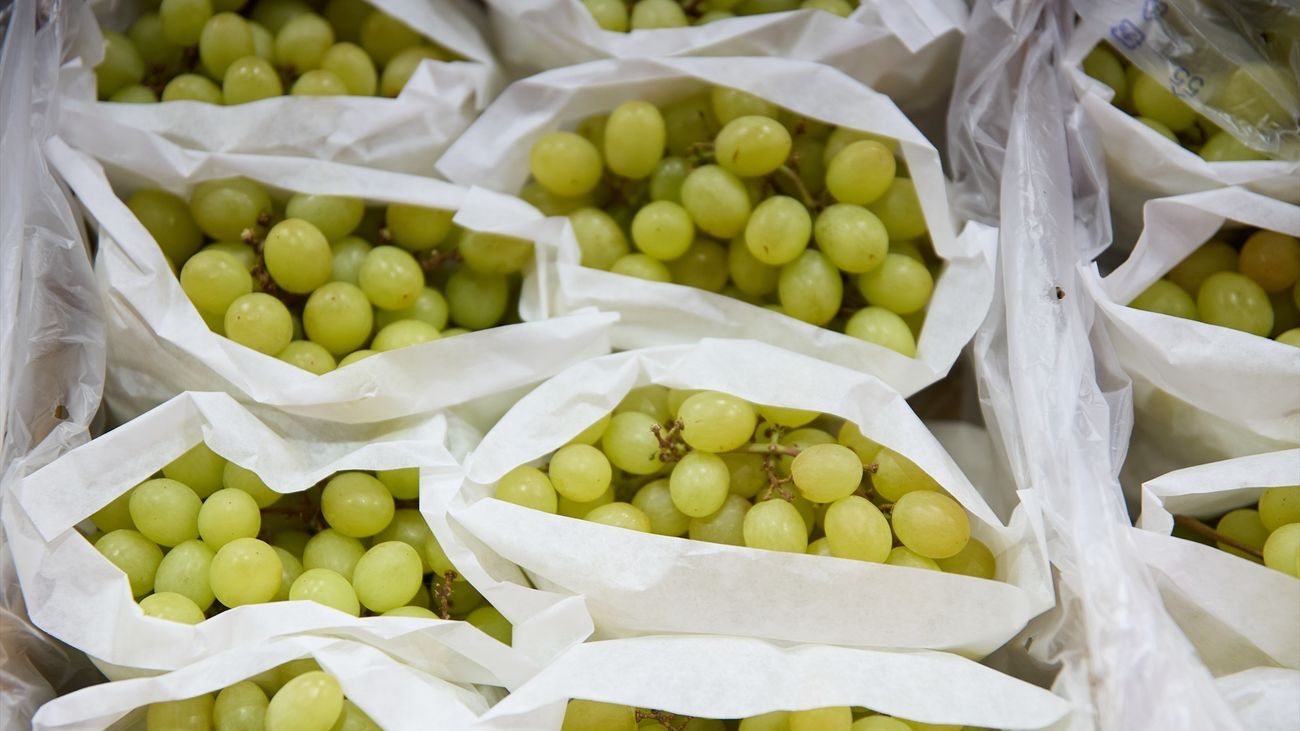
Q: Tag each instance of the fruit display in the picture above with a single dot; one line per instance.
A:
(596, 716)
(617, 15)
(238, 51)
(295, 696)
(1253, 286)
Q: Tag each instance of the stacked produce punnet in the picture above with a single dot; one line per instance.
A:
(258, 527)
(694, 682)
(368, 261)
(285, 681)
(727, 235)
(1199, 324)
(700, 431)
(1143, 163)
(387, 84)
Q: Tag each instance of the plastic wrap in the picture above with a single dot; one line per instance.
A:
(494, 154)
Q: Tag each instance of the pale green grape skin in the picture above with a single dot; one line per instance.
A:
(171, 607)
(974, 560)
(122, 66)
(250, 79)
(820, 547)
(168, 220)
(1159, 128)
(857, 529)
(836, 7)
(600, 238)
(688, 122)
(165, 511)
(852, 237)
(663, 230)
(593, 432)
(302, 42)
(115, 515)
(355, 356)
(729, 104)
(861, 172)
(327, 588)
(931, 524)
(752, 146)
(1279, 506)
(774, 721)
(580, 472)
(403, 483)
(826, 472)
(714, 15)
(620, 515)
(228, 514)
(402, 67)
(259, 321)
(900, 210)
(810, 288)
(240, 707)
(488, 253)
(1245, 526)
(353, 67)
(477, 301)
(775, 525)
(635, 136)
(699, 484)
(1233, 300)
(881, 723)
(838, 718)
(666, 181)
(225, 208)
(897, 475)
(565, 164)
(404, 334)
(183, 20)
(642, 266)
(409, 527)
(411, 611)
(747, 476)
(1166, 298)
(1223, 147)
(184, 571)
(226, 37)
(751, 276)
(338, 317)
(191, 714)
(900, 284)
(213, 279)
(137, 557)
(155, 50)
(290, 569)
(1271, 259)
(356, 504)
(653, 14)
(492, 623)
(716, 422)
(1103, 66)
(292, 541)
(332, 550)
(583, 715)
(630, 445)
(416, 228)
(243, 253)
(716, 200)
(703, 266)
(263, 41)
(882, 327)
(656, 502)
(387, 576)
(726, 526)
(430, 307)
(308, 356)
(390, 278)
(192, 87)
(1282, 550)
(778, 230)
(384, 36)
(1154, 101)
(298, 256)
(529, 487)
(312, 701)
(609, 14)
(245, 571)
(334, 216)
(903, 556)
(275, 13)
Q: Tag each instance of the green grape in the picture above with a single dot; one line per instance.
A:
(857, 529)
(592, 433)
(404, 334)
(312, 701)
(808, 158)
(882, 723)
(192, 87)
(903, 556)
(852, 237)
(608, 14)
(565, 164)
(224, 209)
(620, 515)
(882, 327)
(243, 253)
(1167, 298)
(663, 230)
(757, 7)
(974, 560)
(1223, 147)
(747, 475)
(838, 718)
(716, 200)
(308, 356)
(302, 42)
(652, 14)
(477, 301)
(275, 13)
(168, 220)
(115, 515)
(136, 94)
(226, 37)
(403, 483)
(355, 356)
(656, 502)
(390, 278)
(228, 514)
(630, 445)
(751, 276)
(861, 172)
(778, 230)
(259, 321)
(599, 236)
(1247, 100)
(1290, 337)
(703, 266)
(183, 20)
(328, 588)
(689, 122)
(213, 279)
(775, 525)
(408, 527)
(430, 307)
(356, 504)
(752, 146)
(931, 524)
(165, 511)
(384, 36)
(842, 137)
(416, 228)
(492, 623)
(1286, 315)
(192, 714)
(730, 104)
(774, 721)
(1279, 506)
(1244, 526)
(290, 570)
(292, 541)
(726, 526)
(900, 284)
(464, 598)
(841, 8)
(580, 472)
(714, 15)
(826, 472)
(347, 16)
(352, 65)
(642, 267)
(1272, 259)
(1160, 129)
(1228, 299)
(338, 317)
(240, 707)
(263, 41)
(1154, 101)
(155, 50)
(716, 422)
(184, 570)
(332, 550)
(810, 288)
(488, 253)
(399, 70)
(333, 216)
(666, 181)
(896, 476)
(699, 484)
(592, 129)
(900, 210)
(137, 557)
(245, 571)
(583, 715)
(249, 79)
(298, 256)
(410, 611)
(1103, 66)
(635, 136)
(1209, 258)
(171, 607)
(1282, 550)
(529, 487)
(122, 65)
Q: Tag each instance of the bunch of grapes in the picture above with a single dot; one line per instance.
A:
(1159, 108)
(583, 715)
(296, 696)
(320, 278)
(1268, 533)
(205, 50)
(1253, 287)
(726, 192)
(716, 468)
(625, 15)
(209, 534)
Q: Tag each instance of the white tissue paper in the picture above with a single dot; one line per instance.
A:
(636, 583)
(494, 154)
(1238, 613)
(159, 345)
(75, 594)
(405, 134)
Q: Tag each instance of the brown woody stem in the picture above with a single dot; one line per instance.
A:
(1196, 526)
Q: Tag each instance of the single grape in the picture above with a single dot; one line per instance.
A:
(409, 527)
(192, 87)
(703, 266)
(245, 571)
(243, 253)
(121, 68)
(583, 715)
(592, 433)
(699, 484)
(167, 218)
(191, 714)
(165, 511)
(1282, 550)
(1228, 299)
(931, 524)
(1154, 101)
(1209, 258)
(608, 14)
(308, 356)
(599, 236)
(301, 43)
(778, 231)
(897, 475)
(353, 66)
(900, 210)
(136, 556)
(259, 321)
(810, 288)
(249, 79)
(751, 276)
(652, 14)
(1279, 506)
(747, 475)
(580, 472)
(1244, 526)
(312, 701)
(882, 327)
(390, 278)
(403, 66)
(1103, 66)
(630, 445)
(416, 228)
(488, 253)
(1290, 337)
(1167, 298)
(774, 721)
(356, 504)
(492, 623)
(404, 334)
(663, 230)
(213, 280)
(263, 41)
(726, 526)
(666, 181)
(752, 146)
(656, 502)
(826, 472)
(900, 284)
(155, 50)
(228, 514)
(852, 237)
(387, 576)
(620, 515)
(115, 515)
(729, 104)
(1223, 147)
(634, 139)
(275, 13)
(384, 36)
(716, 200)
(290, 570)
(716, 422)
(838, 718)
(861, 172)
(857, 529)
(171, 607)
(565, 163)
(298, 256)
(226, 37)
(776, 526)
(332, 550)
(477, 301)
(689, 122)
(184, 571)
(183, 20)
(974, 560)
(1272, 259)
(529, 487)
(642, 267)
(903, 556)
(338, 317)
(225, 208)
(333, 216)
(240, 707)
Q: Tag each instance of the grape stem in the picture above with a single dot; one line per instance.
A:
(770, 449)
(1206, 531)
(671, 445)
(433, 260)
(788, 174)
(665, 719)
(442, 593)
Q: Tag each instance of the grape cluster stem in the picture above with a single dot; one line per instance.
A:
(664, 718)
(442, 593)
(1196, 526)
